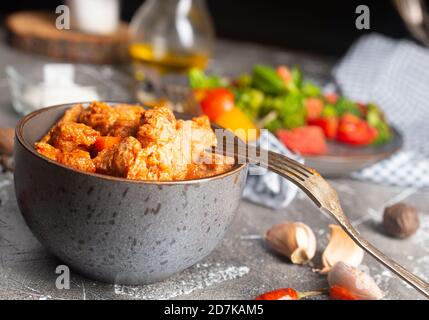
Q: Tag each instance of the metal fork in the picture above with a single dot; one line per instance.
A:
(322, 195)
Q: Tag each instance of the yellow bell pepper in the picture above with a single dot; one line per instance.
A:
(237, 122)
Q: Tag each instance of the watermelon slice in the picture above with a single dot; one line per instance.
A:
(309, 140)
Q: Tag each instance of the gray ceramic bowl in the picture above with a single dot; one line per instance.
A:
(118, 230)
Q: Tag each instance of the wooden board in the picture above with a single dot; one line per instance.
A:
(35, 31)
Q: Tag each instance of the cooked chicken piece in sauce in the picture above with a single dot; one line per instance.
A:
(126, 159)
(158, 126)
(128, 141)
(47, 150)
(71, 135)
(99, 116)
(77, 159)
(209, 162)
(119, 121)
(71, 115)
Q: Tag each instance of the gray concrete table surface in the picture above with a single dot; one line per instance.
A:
(242, 266)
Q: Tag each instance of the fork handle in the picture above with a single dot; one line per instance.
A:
(276, 163)
(392, 265)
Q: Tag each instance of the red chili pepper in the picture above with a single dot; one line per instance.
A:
(340, 293)
(286, 294)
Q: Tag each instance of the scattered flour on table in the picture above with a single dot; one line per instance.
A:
(250, 237)
(199, 277)
(421, 238)
(382, 279)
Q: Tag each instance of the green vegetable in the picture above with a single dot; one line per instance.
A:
(275, 103)
(249, 101)
(274, 125)
(295, 84)
(199, 80)
(374, 117)
(291, 104)
(294, 120)
(329, 111)
(309, 89)
(297, 76)
(344, 105)
(289, 107)
(267, 80)
(245, 80)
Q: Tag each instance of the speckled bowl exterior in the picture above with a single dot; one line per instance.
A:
(117, 230)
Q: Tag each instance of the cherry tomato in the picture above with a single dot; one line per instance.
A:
(331, 98)
(353, 130)
(284, 73)
(216, 102)
(314, 107)
(329, 125)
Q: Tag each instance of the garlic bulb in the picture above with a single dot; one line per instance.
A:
(340, 248)
(358, 284)
(294, 240)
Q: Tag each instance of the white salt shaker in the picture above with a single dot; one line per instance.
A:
(94, 16)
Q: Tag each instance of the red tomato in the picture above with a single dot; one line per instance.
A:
(314, 107)
(331, 98)
(305, 140)
(284, 73)
(353, 130)
(216, 102)
(329, 125)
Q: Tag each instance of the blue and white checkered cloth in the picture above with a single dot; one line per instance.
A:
(395, 75)
(267, 188)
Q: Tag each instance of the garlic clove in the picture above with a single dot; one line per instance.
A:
(295, 240)
(359, 284)
(340, 248)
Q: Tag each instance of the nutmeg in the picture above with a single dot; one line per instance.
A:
(401, 220)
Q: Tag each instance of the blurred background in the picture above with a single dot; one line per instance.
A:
(325, 27)
(276, 65)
